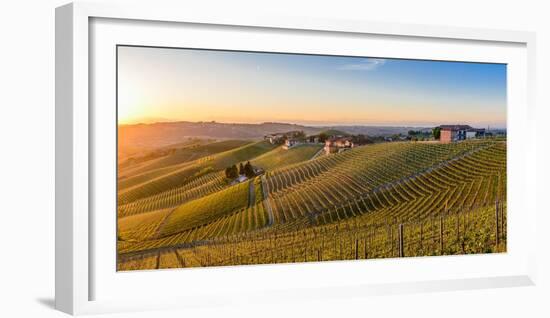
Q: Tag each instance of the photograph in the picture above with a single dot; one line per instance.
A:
(231, 158)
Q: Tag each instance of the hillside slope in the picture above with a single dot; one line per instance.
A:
(372, 186)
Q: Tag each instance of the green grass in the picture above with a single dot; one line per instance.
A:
(142, 157)
(248, 152)
(192, 171)
(280, 157)
(125, 183)
(189, 153)
(202, 186)
(206, 209)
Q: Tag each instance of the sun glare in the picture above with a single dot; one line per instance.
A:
(130, 108)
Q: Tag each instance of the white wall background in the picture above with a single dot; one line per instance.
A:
(27, 157)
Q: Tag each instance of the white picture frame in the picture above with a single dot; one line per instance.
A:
(77, 175)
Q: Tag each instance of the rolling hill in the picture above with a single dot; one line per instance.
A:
(280, 157)
(155, 182)
(340, 206)
(147, 137)
(180, 154)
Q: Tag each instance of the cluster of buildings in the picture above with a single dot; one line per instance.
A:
(293, 142)
(291, 139)
(283, 137)
(340, 143)
(453, 133)
(337, 144)
(289, 143)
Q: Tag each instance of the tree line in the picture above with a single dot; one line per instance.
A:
(435, 133)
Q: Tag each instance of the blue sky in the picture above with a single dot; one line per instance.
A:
(160, 84)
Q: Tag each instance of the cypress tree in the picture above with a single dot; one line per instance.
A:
(248, 170)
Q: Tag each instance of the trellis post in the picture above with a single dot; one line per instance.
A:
(421, 234)
(441, 235)
(401, 251)
(496, 223)
(356, 248)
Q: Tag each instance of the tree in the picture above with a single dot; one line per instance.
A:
(241, 168)
(232, 172)
(360, 139)
(323, 137)
(248, 170)
(436, 132)
(412, 133)
(228, 172)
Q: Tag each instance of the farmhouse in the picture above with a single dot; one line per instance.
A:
(291, 142)
(274, 138)
(258, 171)
(452, 133)
(338, 144)
(278, 138)
(243, 177)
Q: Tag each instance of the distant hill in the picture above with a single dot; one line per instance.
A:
(335, 132)
(150, 136)
(155, 135)
(378, 130)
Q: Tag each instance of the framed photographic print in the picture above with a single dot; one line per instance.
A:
(265, 156)
(305, 157)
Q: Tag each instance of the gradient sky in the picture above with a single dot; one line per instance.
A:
(158, 84)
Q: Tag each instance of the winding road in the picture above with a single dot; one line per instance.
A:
(251, 194)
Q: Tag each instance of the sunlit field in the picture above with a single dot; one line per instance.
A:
(379, 200)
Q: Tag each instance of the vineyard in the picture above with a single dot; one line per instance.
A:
(280, 157)
(168, 178)
(393, 199)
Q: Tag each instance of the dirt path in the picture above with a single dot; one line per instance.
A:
(251, 194)
(318, 153)
(266, 202)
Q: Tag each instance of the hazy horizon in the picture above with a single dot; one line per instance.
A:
(305, 124)
(171, 85)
